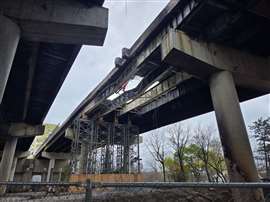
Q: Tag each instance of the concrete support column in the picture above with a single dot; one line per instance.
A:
(234, 137)
(9, 39)
(50, 170)
(83, 158)
(28, 173)
(44, 175)
(7, 160)
(60, 175)
(13, 169)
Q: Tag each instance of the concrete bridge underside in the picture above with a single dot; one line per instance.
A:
(202, 56)
(39, 41)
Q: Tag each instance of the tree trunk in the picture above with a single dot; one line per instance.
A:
(266, 159)
(207, 172)
(164, 172)
(182, 170)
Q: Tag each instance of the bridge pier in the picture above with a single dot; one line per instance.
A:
(9, 39)
(7, 161)
(233, 134)
(50, 170)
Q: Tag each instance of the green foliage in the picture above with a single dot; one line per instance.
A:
(40, 139)
(172, 168)
(261, 130)
(194, 164)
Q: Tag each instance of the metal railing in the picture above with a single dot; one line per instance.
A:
(84, 191)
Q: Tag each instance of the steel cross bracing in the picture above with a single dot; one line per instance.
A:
(110, 147)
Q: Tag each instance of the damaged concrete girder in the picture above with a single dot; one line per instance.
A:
(61, 21)
(202, 59)
(155, 92)
(22, 130)
(129, 71)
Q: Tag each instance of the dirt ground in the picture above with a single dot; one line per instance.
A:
(130, 195)
(172, 195)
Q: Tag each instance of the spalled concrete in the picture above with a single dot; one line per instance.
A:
(233, 134)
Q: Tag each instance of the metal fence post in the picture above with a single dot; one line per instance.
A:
(88, 191)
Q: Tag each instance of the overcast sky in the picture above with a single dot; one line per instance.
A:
(126, 22)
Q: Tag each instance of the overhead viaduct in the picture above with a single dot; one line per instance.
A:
(202, 56)
(39, 41)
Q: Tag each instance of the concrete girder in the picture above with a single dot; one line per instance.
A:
(61, 21)
(130, 70)
(57, 156)
(157, 91)
(202, 59)
(32, 67)
(21, 155)
(22, 130)
(18, 154)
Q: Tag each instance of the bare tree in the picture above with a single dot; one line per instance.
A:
(261, 130)
(202, 137)
(217, 162)
(179, 137)
(156, 146)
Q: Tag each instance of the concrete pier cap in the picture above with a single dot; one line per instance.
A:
(61, 21)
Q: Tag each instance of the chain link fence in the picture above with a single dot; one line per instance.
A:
(123, 192)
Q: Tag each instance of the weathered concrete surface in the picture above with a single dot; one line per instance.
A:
(9, 39)
(7, 161)
(61, 21)
(50, 169)
(202, 59)
(21, 130)
(38, 167)
(56, 155)
(236, 146)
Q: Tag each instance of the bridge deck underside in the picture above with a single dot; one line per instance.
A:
(241, 25)
(37, 74)
(188, 105)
